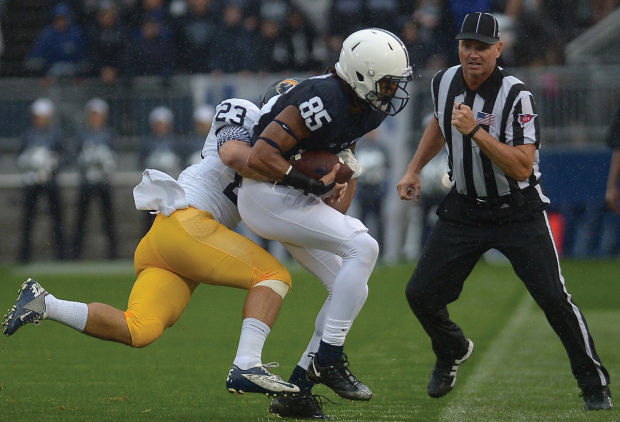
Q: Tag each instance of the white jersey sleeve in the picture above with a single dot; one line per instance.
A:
(210, 185)
(234, 111)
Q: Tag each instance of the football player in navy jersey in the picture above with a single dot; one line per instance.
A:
(328, 112)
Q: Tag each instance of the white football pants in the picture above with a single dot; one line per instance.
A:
(313, 232)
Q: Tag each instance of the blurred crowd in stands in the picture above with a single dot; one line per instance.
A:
(125, 38)
(45, 151)
(116, 41)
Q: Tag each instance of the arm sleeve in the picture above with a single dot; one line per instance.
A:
(525, 123)
(435, 91)
(228, 132)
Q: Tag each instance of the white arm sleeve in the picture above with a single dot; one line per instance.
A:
(228, 132)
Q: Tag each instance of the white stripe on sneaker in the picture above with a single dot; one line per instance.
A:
(495, 356)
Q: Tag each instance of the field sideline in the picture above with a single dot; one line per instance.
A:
(518, 371)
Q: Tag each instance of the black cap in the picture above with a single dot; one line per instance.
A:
(479, 26)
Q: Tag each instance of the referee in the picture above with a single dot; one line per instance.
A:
(487, 120)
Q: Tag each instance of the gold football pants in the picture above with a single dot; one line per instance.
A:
(179, 252)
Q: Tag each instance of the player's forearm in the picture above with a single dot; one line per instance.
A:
(267, 161)
(234, 154)
(517, 162)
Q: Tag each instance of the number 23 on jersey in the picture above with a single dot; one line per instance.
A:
(233, 114)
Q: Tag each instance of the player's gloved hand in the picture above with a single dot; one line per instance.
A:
(298, 180)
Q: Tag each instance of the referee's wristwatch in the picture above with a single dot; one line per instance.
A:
(473, 132)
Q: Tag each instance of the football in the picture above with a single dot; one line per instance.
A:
(317, 164)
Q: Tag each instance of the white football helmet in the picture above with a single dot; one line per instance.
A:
(375, 63)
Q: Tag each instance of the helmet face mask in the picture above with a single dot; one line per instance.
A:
(390, 95)
(375, 64)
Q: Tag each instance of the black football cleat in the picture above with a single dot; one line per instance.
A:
(596, 398)
(443, 376)
(299, 406)
(338, 377)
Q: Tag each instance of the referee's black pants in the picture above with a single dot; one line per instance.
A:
(450, 255)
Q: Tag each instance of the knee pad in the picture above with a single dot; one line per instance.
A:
(280, 287)
(365, 247)
(143, 331)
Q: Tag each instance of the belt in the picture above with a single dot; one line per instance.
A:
(512, 199)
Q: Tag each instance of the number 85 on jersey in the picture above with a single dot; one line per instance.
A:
(314, 114)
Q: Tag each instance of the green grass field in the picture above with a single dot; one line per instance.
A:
(518, 371)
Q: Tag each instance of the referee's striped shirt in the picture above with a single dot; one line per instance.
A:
(505, 108)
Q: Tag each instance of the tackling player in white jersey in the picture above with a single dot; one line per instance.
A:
(190, 242)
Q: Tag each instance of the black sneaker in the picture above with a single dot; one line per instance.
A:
(302, 406)
(596, 398)
(338, 377)
(443, 376)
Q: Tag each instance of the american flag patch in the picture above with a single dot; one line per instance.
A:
(483, 118)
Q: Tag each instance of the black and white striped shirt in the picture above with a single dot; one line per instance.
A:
(502, 106)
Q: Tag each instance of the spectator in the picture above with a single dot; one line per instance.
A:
(432, 22)
(419, 51)
(382, 13)
(39, 158)
(458, 9)
(274, 53)
(60, 49)
(235, 46)
(372, 184)
(150, 53)
(96, 161)
(334, 45)
(106, 38)
(194, 35)
(203, 117)
(160, 149)
(276, 10)
(346, 16)
(300, 37)
(136, 12)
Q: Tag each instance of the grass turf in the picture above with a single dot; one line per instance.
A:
(518, 372)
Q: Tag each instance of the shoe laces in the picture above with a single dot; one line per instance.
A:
(344, 363)
(319, 400)
(270, 365)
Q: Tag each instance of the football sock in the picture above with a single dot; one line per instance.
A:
(253, 335)
(335, 331)
(328, 353)
(73, 314)
(298, 377)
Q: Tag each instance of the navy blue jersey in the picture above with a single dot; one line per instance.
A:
(326, 109)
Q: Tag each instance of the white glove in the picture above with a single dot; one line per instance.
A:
(349, 159)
